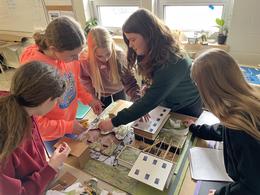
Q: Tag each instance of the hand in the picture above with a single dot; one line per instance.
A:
(143, 89)
(105, 125)
(211, 192)
(59, 156)
(96, 106)
(145, 118)
(77, 127)
(188, 122)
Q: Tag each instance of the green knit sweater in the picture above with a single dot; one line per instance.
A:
(171, 87)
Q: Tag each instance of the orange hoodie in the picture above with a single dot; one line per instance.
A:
(60, 119)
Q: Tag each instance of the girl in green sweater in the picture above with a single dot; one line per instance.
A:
(156, 55)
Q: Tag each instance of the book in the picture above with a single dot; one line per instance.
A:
(207, 164)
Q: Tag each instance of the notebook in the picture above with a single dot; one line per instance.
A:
(207, 164)
(82, 110)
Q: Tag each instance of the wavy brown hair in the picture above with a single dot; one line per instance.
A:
(226, 93)
(32, 84)
(64, 33)
(159, 39)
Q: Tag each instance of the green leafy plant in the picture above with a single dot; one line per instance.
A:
(222, 34)
(220, 24)
(90, 24)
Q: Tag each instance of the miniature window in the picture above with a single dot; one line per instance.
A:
(147, 176)
(154, 124)
(155, 162)
(164, 165)
(156, 181)
(158, 119)
(151, 129)
(137, 172)
(145, 158)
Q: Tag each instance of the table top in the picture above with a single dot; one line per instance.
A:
(187, 187)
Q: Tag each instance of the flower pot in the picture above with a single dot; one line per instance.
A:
(222, 39)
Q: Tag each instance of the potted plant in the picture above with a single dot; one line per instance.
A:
(90, 24)
(222, 34)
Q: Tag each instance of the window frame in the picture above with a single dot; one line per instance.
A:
(226, 14)
(95, 4)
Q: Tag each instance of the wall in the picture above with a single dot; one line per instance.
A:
(244, 33)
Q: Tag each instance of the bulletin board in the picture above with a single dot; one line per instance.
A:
(22, 15)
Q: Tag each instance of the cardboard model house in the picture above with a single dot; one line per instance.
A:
(150, 129)
(79, 153)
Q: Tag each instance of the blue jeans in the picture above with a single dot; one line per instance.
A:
(49, 144)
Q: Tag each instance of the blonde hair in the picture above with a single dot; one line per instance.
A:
(99, 37)
(226, 93)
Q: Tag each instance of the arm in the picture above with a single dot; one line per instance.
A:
(84, 96)
(245, 159)
(85, 78)
(164, 81)
(53, 129)
(208, 132)
(33, 184)
(127, 77)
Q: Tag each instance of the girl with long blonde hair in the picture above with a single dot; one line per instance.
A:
(227, 95)
(103, 69)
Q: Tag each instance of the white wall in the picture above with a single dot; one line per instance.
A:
(244, 33)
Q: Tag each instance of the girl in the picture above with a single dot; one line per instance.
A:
(60, 47)
(34, 91)
(104, 71)
(161, 63)
(227, 95)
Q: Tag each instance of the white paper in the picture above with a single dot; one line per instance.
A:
(207, 164)
(207, 118)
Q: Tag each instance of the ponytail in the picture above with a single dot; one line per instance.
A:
(39, 39)
(15, 125)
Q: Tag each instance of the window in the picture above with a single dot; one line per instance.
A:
(113, 13)
(115, 16)
(194, 15)
(192, 18)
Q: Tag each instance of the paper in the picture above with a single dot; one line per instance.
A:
(207, 118)
(207, 164)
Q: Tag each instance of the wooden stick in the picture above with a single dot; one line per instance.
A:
(151, 146)
(169, 147)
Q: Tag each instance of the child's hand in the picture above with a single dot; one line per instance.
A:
(77, 127)
(96, 106)
(211, 192)
(188, 122)
(105, 125)
(59, 156)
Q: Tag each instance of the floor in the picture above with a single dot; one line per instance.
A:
(5, 79)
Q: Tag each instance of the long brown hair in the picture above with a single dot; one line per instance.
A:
(63, 33)
(159, 39)
(32, 84)
(226, 93)
(99, 37)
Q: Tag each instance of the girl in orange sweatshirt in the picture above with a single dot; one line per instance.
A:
(60, 46)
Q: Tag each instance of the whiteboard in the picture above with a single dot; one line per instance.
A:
(22, 15)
